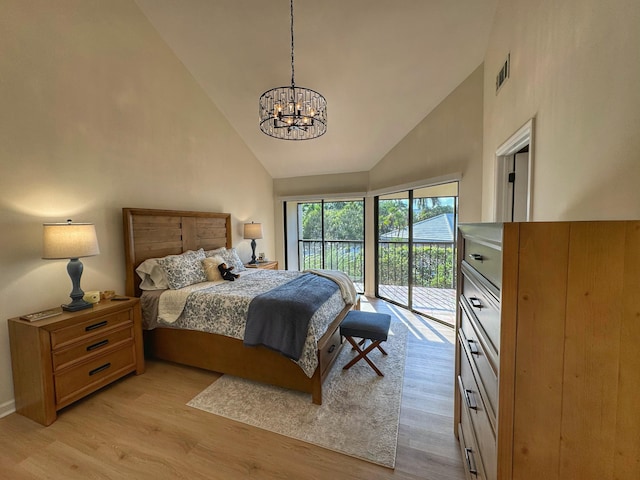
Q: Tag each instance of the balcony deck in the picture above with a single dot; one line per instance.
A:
(438, 303)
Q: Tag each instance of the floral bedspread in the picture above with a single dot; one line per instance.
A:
(222, 309)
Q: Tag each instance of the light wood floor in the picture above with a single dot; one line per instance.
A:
(140, 428)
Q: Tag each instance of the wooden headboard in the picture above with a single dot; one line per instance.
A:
(157, 233)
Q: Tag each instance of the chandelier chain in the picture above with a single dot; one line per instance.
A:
(293, 82)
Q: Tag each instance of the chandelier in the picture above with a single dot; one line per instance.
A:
(293, 113)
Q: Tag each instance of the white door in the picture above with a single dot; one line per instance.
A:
(514, 164)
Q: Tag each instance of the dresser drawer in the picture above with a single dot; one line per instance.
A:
(330, 350)
(473, 403)
(73, 333)
(471, 459)
(485, 366)
(91, 346)
(484, 307)
(486, 260)
(76, 382)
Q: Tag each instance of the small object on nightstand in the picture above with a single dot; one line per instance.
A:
(119, 299)
(91, 297)
(34, 317)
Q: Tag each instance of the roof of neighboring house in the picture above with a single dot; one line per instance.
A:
(438, 229)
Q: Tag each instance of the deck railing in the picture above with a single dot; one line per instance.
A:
(344, 255)
(433, 264)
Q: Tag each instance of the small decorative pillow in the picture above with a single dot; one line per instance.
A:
(232, 259)
(152, 275)
(183, 270)
(210, 265)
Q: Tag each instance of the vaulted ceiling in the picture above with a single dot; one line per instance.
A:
(382, 65)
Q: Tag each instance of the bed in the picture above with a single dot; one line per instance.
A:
(150, 233)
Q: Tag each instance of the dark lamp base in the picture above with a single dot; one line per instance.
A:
(76, 305)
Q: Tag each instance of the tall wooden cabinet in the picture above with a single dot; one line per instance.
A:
(548, 350)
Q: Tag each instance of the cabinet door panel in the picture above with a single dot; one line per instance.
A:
(542, 280)
(592, 349)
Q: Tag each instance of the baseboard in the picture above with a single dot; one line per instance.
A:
(7, 408)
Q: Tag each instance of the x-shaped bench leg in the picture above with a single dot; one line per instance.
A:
(362, 354)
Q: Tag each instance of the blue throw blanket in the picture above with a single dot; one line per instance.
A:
(279, 318)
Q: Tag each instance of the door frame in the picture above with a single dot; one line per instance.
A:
(521, 138)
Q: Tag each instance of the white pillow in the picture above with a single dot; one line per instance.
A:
(210, 265)
(152, 275)
(213, 253)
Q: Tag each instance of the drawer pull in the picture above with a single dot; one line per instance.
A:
(476, 256)
(472, 347)
(470, 400)
(471, 403)
(95, 326)
(475, 302)
(332, 348)
(471, 462)
(97, 345)
(100, 369)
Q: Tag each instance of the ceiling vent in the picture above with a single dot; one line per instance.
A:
(503, 74)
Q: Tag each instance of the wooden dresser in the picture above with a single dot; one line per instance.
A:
(63, 358)
(548, 355)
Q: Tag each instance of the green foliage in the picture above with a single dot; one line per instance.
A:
(392, 215)
(342, 220)
(310, 215)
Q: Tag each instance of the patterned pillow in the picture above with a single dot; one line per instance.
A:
(232, 259)
(183, 270)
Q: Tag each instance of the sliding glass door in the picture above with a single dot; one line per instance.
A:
(415, 262)
(393, 259)
(331, 236)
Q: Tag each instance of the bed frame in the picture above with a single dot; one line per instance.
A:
(157, 233)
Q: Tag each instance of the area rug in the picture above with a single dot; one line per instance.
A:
(360, 411)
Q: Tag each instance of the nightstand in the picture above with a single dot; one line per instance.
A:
(263, 265)
(61, 359)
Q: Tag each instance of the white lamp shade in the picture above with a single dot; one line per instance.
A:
(253, 230)
(69, 240)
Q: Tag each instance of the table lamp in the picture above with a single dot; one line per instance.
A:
(73, 241)
(253, 231)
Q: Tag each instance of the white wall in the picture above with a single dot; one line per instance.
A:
(447, 141)
(98, 114)
(575, 67)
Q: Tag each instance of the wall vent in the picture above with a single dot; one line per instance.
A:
(503, 74)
